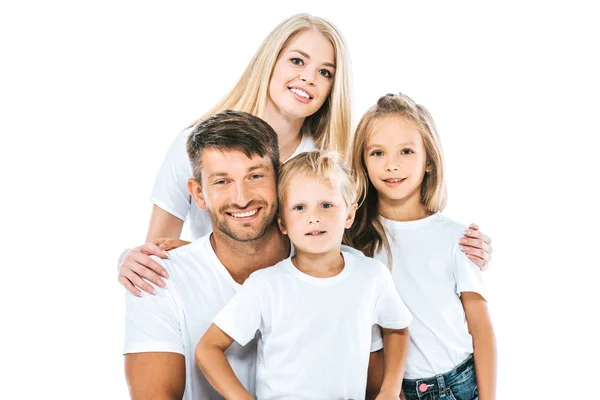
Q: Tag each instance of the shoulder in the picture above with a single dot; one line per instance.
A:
(264, 275)
(364, 263)
(186, 257)
(449, 228)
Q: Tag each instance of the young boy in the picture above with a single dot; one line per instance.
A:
(315, 311)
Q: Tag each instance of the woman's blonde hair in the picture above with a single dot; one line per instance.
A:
(330, 125)
(367, 233)
(322, 165)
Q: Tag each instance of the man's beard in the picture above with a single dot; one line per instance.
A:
(221, 222)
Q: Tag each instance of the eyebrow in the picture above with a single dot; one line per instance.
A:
(409, 143)
(327, 64)
(251, 169)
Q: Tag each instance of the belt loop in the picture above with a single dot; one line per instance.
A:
(441, 386)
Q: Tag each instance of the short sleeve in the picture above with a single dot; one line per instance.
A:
(390, 310)
(376, 338)
(170, 190)
(242, 317)
(467, 275)
(152, 323)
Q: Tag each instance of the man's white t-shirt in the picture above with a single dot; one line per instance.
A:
(315, 333)
(170, 191)
(430, 273)
(174, 319)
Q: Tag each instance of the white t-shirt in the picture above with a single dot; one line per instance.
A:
(174, 319)
(315, 332)
(170, 191)
(430, 273)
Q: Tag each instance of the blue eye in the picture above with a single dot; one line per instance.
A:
(377, 153)
(407, 151)
(297, 61)
(256, 176)
(298, 208)
(327, 205)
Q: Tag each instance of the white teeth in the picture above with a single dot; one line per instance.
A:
(300, 93)
(393, 180)
(315, 233)
(246, 214)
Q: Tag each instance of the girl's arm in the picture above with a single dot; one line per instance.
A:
(210, 357)
(484, 343)
(477, 246)
(135, 264)
(395, 351)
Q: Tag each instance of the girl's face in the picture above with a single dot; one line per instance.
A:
(396, 160)
(303, 75)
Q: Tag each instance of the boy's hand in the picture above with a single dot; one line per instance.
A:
(387, 396)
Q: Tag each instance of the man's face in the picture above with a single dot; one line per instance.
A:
(239, 193)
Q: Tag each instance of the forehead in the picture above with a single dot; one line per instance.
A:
(394, 130)
(231, 162)
(310, 188)
(314, 44)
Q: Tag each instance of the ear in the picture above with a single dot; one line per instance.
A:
(351, 215)
(195, 190)
(428, 168)
(281, 225)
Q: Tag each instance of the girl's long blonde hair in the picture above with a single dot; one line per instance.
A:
(330, 125)
(367, 233)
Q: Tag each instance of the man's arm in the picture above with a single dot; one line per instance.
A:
(155, 376)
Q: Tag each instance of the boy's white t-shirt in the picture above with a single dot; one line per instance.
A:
(170, 191)
(174, 319)
(430, 273)
(315, 332)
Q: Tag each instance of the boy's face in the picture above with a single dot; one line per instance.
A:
(314, 215)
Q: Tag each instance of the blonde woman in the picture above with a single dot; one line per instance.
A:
(397, 157)
(298, 82)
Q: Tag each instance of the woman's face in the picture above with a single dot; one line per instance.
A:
(303, 75)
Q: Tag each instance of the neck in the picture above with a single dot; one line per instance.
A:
(319, 265)
(287, 129)
(407, 209)
(243, 258)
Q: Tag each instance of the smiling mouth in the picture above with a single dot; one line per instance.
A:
(315, 233)
(243, 215)
(394, 181)
(301, 93)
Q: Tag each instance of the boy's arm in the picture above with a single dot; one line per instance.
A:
(210, 357)
(484, 343)
(155, 376)
(395, 351)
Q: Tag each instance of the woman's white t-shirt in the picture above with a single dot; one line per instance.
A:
(430, 273)
(170, 191)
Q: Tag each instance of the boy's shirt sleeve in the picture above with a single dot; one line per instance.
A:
(467, 275)
(242, 316)
(390, 310)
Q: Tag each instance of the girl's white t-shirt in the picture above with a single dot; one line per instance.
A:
(170, 191)
(430, 273)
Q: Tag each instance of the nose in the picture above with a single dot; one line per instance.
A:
(314, 219)
(391, 166)
(308, 76)
(241, 195)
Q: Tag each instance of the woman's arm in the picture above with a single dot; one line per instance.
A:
(484, 343)
(136, 264)
(210, 357)
(477, 246)
(395, 351)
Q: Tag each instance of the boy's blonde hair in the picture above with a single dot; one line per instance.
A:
(330, 125)
(367, 233)
(320, 165)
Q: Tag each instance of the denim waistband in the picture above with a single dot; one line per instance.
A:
(439, 383)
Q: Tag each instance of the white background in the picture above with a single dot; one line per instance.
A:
(92, 94)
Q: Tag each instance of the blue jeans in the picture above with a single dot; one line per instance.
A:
(458, 384)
